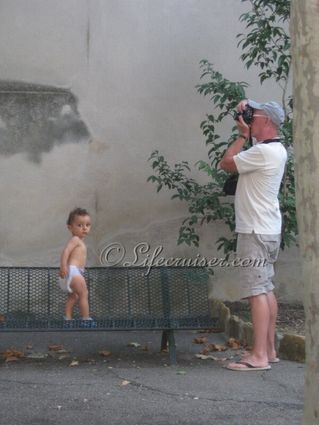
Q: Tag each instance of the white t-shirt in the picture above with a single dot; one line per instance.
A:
(260, 171)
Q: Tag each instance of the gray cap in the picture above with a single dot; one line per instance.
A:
(272, 109)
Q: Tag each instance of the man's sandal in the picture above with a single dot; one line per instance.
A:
(243, 366)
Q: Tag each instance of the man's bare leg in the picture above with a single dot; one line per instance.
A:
(260, 319)
(273, 310)
(258, 356)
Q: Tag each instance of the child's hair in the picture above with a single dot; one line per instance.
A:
(74, 213)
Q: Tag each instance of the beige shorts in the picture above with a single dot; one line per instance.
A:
(256, 276)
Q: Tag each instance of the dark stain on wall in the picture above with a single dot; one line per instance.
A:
(34, 118)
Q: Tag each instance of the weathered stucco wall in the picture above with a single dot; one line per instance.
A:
(89, 88)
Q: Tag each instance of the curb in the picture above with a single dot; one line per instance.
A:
(289, 346)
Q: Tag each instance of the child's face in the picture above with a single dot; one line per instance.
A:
(80, 226)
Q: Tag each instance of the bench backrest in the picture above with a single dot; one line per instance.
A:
(114, 292)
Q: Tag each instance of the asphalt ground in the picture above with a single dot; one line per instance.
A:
(133, 383)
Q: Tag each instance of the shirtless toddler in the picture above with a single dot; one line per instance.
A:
(73, 260)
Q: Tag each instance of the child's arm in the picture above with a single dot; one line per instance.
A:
(69, 247)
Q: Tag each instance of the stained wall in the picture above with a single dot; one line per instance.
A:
(88, 89)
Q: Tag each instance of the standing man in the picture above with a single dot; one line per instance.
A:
(258, 220)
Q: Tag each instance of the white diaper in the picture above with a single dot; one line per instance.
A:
(65, 282)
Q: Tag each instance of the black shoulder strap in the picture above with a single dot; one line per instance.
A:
(271, 141)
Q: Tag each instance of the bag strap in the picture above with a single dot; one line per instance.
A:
(271, 141)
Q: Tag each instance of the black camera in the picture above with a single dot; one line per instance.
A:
(247, 114)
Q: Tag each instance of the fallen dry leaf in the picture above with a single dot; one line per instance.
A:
(200, 340)
(63, 357)
(145, 348)
(56, 347)
(105, 353)
(11, 359)
(124, 383)
(205, 351)
(133, 344)
(212, 347)
(211, 357)
(74, 363)
(12, 355)
(233, 343)
(203, 357)
(217, 347)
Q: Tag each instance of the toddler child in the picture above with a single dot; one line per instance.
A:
(73, 260)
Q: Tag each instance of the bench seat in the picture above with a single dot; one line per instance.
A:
(121, 299)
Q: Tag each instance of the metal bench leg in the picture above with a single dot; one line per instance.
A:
(164, 343)
(168, 342)
(172, 348)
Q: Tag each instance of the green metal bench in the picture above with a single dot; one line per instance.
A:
(121, 298)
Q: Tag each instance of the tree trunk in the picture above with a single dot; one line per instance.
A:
(305, 51)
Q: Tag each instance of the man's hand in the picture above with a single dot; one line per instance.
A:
(227, 163)
(241, 105)
(243, 128)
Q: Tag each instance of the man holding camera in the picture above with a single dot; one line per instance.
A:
(258, 220)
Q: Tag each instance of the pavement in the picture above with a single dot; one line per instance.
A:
(121, 378)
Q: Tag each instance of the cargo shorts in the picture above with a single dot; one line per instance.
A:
(255, 256)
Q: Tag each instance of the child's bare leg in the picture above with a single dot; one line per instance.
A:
(70, 303)
(79, 287)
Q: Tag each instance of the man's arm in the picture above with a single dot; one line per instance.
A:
(227, 163)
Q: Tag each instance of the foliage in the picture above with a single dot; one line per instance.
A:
(266, 46)
(204, 201)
